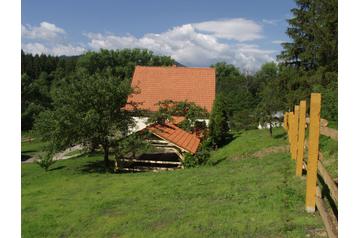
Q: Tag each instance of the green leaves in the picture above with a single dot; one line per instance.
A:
(218, 126)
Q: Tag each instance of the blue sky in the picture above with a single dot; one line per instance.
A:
(195, 33)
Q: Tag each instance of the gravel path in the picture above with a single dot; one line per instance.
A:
(60, 155)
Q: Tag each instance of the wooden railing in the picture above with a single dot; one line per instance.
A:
(295, 125)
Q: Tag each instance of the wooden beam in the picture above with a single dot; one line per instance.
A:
(301, 138)
(143, 169)
(290, 130)
(328, 220)
(328, 180)
(294, 138)
(285, 121)
(313, 143)
(151, 161)
(332, 133)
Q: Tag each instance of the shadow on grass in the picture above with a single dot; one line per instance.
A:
(326, 193)
(218, 161)
(279, 136)
(25, 157)
(57, 168)
(98, 167)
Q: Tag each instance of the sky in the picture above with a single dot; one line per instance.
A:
(195, 33)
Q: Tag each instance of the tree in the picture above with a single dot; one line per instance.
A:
(314, 33)
(87, 109)
(239, 93)
(45, 161)
(218, 126)
(131, 146)
(270, 96)
(189, 110)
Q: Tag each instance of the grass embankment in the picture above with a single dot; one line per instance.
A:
(30, 146)
(329, 149)
(236, 198)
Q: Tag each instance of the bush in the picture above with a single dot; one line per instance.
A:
(200, 158)
(45, 161)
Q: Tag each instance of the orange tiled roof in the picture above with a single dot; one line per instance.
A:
(173, 83)
(185, 140)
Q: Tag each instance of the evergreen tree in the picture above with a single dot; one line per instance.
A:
(314, 33)
(218, 126)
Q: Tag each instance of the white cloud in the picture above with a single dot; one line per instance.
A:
(47, 38)
(55, 49)
(196, 44)
(235, 29)
(189, 46)
(273, 22)
(278, 42)
(45, 31)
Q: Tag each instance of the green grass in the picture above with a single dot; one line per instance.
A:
(248, 142)
(329, 149)
(236, 198)
(32, 148)
(333, 124)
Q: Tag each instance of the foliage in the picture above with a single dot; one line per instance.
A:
(201, 157)
(314, 33)
(121, 63)
(87, 105)
(45, 161)
(239, 94)
(189, 110)
(309, 63)
(133, 145)
(218, 126)
(40, 74)
(271, 99)
(87, 109)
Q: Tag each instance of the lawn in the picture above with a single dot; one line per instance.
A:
(329, 149)
(246, 197)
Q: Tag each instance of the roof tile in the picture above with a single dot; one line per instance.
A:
(185, 140)
(173, 83)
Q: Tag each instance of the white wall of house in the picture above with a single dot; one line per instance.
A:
(140, 123)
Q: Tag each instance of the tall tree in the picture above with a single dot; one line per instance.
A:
(271, 100)
(218, 126)
(314, 33)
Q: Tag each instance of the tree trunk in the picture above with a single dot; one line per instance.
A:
(106, 155)
(270, 129)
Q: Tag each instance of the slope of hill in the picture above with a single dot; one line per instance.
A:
(238, 195)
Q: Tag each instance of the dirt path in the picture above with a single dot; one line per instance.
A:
(60, 155)
(271, 150)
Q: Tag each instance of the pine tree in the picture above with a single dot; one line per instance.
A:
(314, 33)
(218, 126)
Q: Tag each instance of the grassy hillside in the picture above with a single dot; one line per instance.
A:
(246, 197)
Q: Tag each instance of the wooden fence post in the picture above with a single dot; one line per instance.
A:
(285, 121)
(301, 138)
(313, 143)
(294, 138)
(290, 129)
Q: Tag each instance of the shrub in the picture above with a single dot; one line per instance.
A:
(45, 161)
(200, 158)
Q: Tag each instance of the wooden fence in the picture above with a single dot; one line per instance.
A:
(295, 126)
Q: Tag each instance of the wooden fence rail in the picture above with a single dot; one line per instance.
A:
(295, 126)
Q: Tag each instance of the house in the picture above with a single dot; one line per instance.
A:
(155, 84)
(277, 121)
